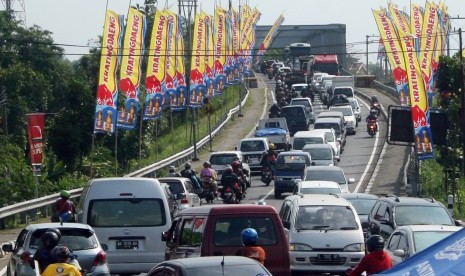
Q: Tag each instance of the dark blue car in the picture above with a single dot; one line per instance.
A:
(290, 165)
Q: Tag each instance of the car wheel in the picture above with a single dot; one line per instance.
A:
(277, 194)
(354, 132)
(249, 183)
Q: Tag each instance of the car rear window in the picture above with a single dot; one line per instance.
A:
(252, 146)
(301, 102)
(293, 111)
(320, 154)
(299, 143)
(176, 187)
(75, 238)
(420, 214)
(228, 230)
(334, 126)
(224, 159)
(325, 175)
(126, 212)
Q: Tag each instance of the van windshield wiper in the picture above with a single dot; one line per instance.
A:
(320, 226)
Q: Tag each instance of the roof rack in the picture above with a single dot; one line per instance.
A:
(390, 195)
(428, 197)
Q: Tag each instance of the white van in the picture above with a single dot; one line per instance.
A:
(325, 234)
(129, 215)
(301, 138)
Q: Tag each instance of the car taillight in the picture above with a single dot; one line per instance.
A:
(184, 200)
(25, 257)
(100, 259)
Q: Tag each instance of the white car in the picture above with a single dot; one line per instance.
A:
(356, 107)
(183, 190)
(220, 159)
(317, 187)
(407, 240)
(299, 87)
(349, 117)
(331, 139)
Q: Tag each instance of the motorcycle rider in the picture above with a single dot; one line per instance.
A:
(63, 208)
(372, 119)
(268, 159)
(173, 173)
(236, 166)
(374, 104)
(275, 110)
(376, 261)
(188, 172)
(43, 255)
(208, 175)
(228, 179)
(61, 265)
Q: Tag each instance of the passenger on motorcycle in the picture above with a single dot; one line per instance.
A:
(236, 166)
(188, 172)
(376, 261)
(275, 110)
(228, 179)
(268, 159)
(372, 119)
(173, 173)
(374, 104)
(209, 176)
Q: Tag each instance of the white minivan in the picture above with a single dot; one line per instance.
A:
(128, 215)
(301, 138)
(325, 234)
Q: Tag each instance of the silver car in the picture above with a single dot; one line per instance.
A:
(80, 238)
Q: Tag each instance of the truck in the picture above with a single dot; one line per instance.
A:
(277, 132)
(324, 64)
(343, 85)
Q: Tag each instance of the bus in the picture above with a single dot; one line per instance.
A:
(298, 50)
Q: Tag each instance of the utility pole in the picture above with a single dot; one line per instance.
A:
(462, 91)
(188, 9)
(448, 45)
(367, 53)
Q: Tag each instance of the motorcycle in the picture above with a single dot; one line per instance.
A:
(207, 192)
(372, 128)
(266, 176)
(232, 195)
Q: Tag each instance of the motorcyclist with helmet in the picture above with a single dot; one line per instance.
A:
(61, 266)
(188, 172)
(275, 110)
(228, 179)
(374, 104)
(63, 209)
(43, 255)
(372, 119)
(268, 159)
(173, 173)
(376, 261)
(209, 176)
(236, 166)
(249, 237)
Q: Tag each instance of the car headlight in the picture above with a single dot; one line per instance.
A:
(355, 247)
(299, 247)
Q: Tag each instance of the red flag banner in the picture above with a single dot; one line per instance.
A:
(35, 127)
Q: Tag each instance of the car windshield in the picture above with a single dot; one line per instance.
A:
(75, 238)
(319, 154)
(300, 142)
(247, 146)
(325, 218)
(228, 230)
(126, 212)
(326, 175)
(320, 190)
(345, 110)
(363, 206)
(224, 159)
(334, 126)
(423, 239)
(414, 214)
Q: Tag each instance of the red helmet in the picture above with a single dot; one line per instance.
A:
(236, 164)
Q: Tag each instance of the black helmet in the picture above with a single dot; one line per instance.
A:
(61, 252)
(375, 243)
(50, 239)
(229, 169)
(56, 231)
(187, 166)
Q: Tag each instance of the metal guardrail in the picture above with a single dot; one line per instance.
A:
(147, 171)
(388, 89)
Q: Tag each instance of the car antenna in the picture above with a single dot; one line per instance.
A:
(222, 265)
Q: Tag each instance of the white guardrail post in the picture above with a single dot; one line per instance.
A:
(29, 205)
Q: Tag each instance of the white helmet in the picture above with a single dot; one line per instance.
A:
(275, 102)
(279, 82)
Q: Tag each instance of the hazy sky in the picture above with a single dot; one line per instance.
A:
(78, 21)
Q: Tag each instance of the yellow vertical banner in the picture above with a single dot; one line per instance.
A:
(233, 47)
(107, 92)
(130, 70)
(197, 83)
(416, 23)
(269, 36)
(393, 48)
(418, 100)
(156, 66)
(181, 89)
(169, 86)
(209, 74)
(428, 40)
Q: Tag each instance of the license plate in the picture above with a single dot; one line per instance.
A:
(328, 257)
(227, 194)
(127, 245)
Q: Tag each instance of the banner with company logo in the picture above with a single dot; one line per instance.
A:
(270, 35)
(220, 41)
(416, 23)
(209, 75)
(247, 38)
(130, 70)
(248, 67)
(428, 44)
(393, 48)
(418, 99)
(197, 84)
(233, 46)
(180, 80)
(35, 127)
(107, 92)
(156, 67)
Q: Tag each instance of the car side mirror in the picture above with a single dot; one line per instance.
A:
(351, 180)
(104, 247)
(399, 253)
(7, 247)
(286, 224)
(165, 236)
(313, 163)
(458, 222)
(235, 148)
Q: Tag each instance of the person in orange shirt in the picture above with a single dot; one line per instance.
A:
(249, 237)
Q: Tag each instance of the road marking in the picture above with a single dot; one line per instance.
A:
(3, 271)
(267, 195)
(370, 161)
(375, 173)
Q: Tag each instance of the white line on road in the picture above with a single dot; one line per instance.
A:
(3, 271)
(370, 161)
(375, 173)
(267, 194)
